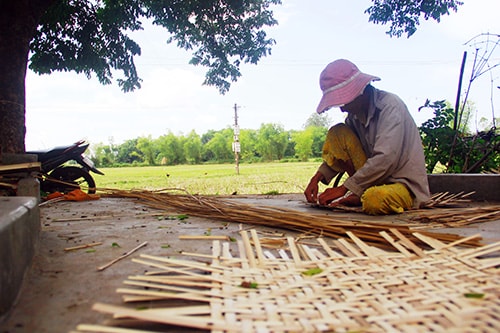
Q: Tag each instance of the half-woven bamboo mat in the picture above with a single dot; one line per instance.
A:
(318, 224)
(315, 288)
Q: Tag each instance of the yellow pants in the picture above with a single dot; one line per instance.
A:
(342, 144)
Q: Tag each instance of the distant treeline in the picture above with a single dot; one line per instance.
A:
(269, 143)
(446, 149)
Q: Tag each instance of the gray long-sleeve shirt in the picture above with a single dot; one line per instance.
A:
(393, 147)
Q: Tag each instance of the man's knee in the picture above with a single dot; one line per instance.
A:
(339, 130)
(386, 199)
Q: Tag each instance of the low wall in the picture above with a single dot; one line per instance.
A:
(486, 186)
(19, 232)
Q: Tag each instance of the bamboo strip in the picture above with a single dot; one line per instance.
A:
(226, 251)
(348, 248)
(248, 249)
(243, 255)
(108, 329)
(126, 254)
(216, 252)
(475, 250)
(82, 246)
(183, 263)
(210, 256)
(328, 249)
(193, 291)
(257, 246)
(192, 310)
(489, 263)
(409, 244)
(203, 237)
(180, 271)
(396, 244)
(364, 247)
(293, 250)
(164, 294)
(461, 241)
(132, 299)
(487, 249)
(104, 217)
(175, 280)
(180, 320)
(309, 254)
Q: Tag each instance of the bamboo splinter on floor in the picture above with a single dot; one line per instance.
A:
(103, 267)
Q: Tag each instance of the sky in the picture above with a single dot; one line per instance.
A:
(62, 108)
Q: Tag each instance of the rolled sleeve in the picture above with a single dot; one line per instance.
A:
(327, 172)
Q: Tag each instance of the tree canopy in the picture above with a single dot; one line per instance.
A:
(404, 16)
(92, 37)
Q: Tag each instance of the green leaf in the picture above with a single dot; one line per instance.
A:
(474, 295)
(115, 245)
(312, 271)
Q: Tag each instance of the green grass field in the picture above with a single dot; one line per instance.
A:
(216, 179)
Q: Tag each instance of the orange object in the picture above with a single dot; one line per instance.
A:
(79, 195)
(54, 195)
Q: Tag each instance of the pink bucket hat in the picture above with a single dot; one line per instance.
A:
(341, 82)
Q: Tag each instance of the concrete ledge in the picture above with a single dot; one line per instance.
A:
(19, 232)
(486, 186)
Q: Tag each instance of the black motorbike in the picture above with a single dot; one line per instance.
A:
(60, 176)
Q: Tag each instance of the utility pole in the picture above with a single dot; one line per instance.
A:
(236, 141)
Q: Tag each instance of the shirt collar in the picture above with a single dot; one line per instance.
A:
(372, 107)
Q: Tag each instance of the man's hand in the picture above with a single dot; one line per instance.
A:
(331, 194)
(311, 191)
(351, 200)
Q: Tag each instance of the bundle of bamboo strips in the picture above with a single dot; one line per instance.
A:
(443, 199)
(231, 211)
(456, 217)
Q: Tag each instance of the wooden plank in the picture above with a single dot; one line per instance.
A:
(20, 167)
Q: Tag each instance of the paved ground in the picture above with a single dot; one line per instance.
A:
(61, 286)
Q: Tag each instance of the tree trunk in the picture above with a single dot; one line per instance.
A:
(18, 23)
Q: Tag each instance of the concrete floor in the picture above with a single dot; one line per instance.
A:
(61, 286)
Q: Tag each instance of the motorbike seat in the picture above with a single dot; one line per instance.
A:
(44, 155)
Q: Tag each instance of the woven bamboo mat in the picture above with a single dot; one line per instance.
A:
(341, 285)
